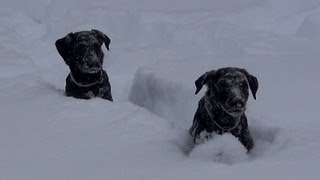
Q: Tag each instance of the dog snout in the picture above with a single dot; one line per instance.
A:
(94, 70)
(92, 61)
(237, 103)
(91, 67)
(96, 65)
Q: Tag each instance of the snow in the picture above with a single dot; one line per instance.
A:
(221, 149)
(310, 26)
(157, 51)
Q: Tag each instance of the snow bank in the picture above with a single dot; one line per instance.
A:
(165, 97)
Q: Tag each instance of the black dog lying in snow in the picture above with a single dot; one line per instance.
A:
(222, 108)
(82, 52)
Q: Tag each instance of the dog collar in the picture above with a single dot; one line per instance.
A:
(209, 106)
(86, 85)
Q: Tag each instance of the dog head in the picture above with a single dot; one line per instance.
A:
(229, 87)
(82, 51)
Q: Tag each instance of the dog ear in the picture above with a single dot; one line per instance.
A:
(102, 38)
(253, 83)
(203, 80)
(63, 46)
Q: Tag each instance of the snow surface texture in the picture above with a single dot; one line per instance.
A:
(158, 50)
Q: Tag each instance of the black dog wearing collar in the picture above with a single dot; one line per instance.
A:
(222, 108)
(82, 52)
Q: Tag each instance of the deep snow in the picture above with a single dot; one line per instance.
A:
(158, 50)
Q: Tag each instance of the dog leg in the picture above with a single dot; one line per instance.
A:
(243, 133)
(246, 139)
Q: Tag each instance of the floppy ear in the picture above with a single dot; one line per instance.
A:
(63, 46)
(253, 83)
(102, 38)
(202, 80)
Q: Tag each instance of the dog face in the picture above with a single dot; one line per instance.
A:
(82, 51)
(232, 92)
(229, 87)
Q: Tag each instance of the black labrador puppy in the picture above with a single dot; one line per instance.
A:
(222, 108)
(82, 52)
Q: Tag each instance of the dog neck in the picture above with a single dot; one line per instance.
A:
(92, 79)
(225, 127)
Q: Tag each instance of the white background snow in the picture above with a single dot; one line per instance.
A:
(158, 49)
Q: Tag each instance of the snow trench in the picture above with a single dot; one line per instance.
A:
(175, 102)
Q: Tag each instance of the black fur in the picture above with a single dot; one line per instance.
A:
(222, 108)
(82, 52)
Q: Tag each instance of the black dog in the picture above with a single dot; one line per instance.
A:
(82, 52)
(222, 108)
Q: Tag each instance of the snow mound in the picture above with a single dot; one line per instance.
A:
(268, 139)
(161, 95)
(310, 27)
(222, 148)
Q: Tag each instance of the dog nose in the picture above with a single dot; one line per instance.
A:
(239, 103)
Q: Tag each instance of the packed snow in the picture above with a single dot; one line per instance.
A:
(158, 49)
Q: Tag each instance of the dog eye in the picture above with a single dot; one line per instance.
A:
(242, 84)
(223, 86)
